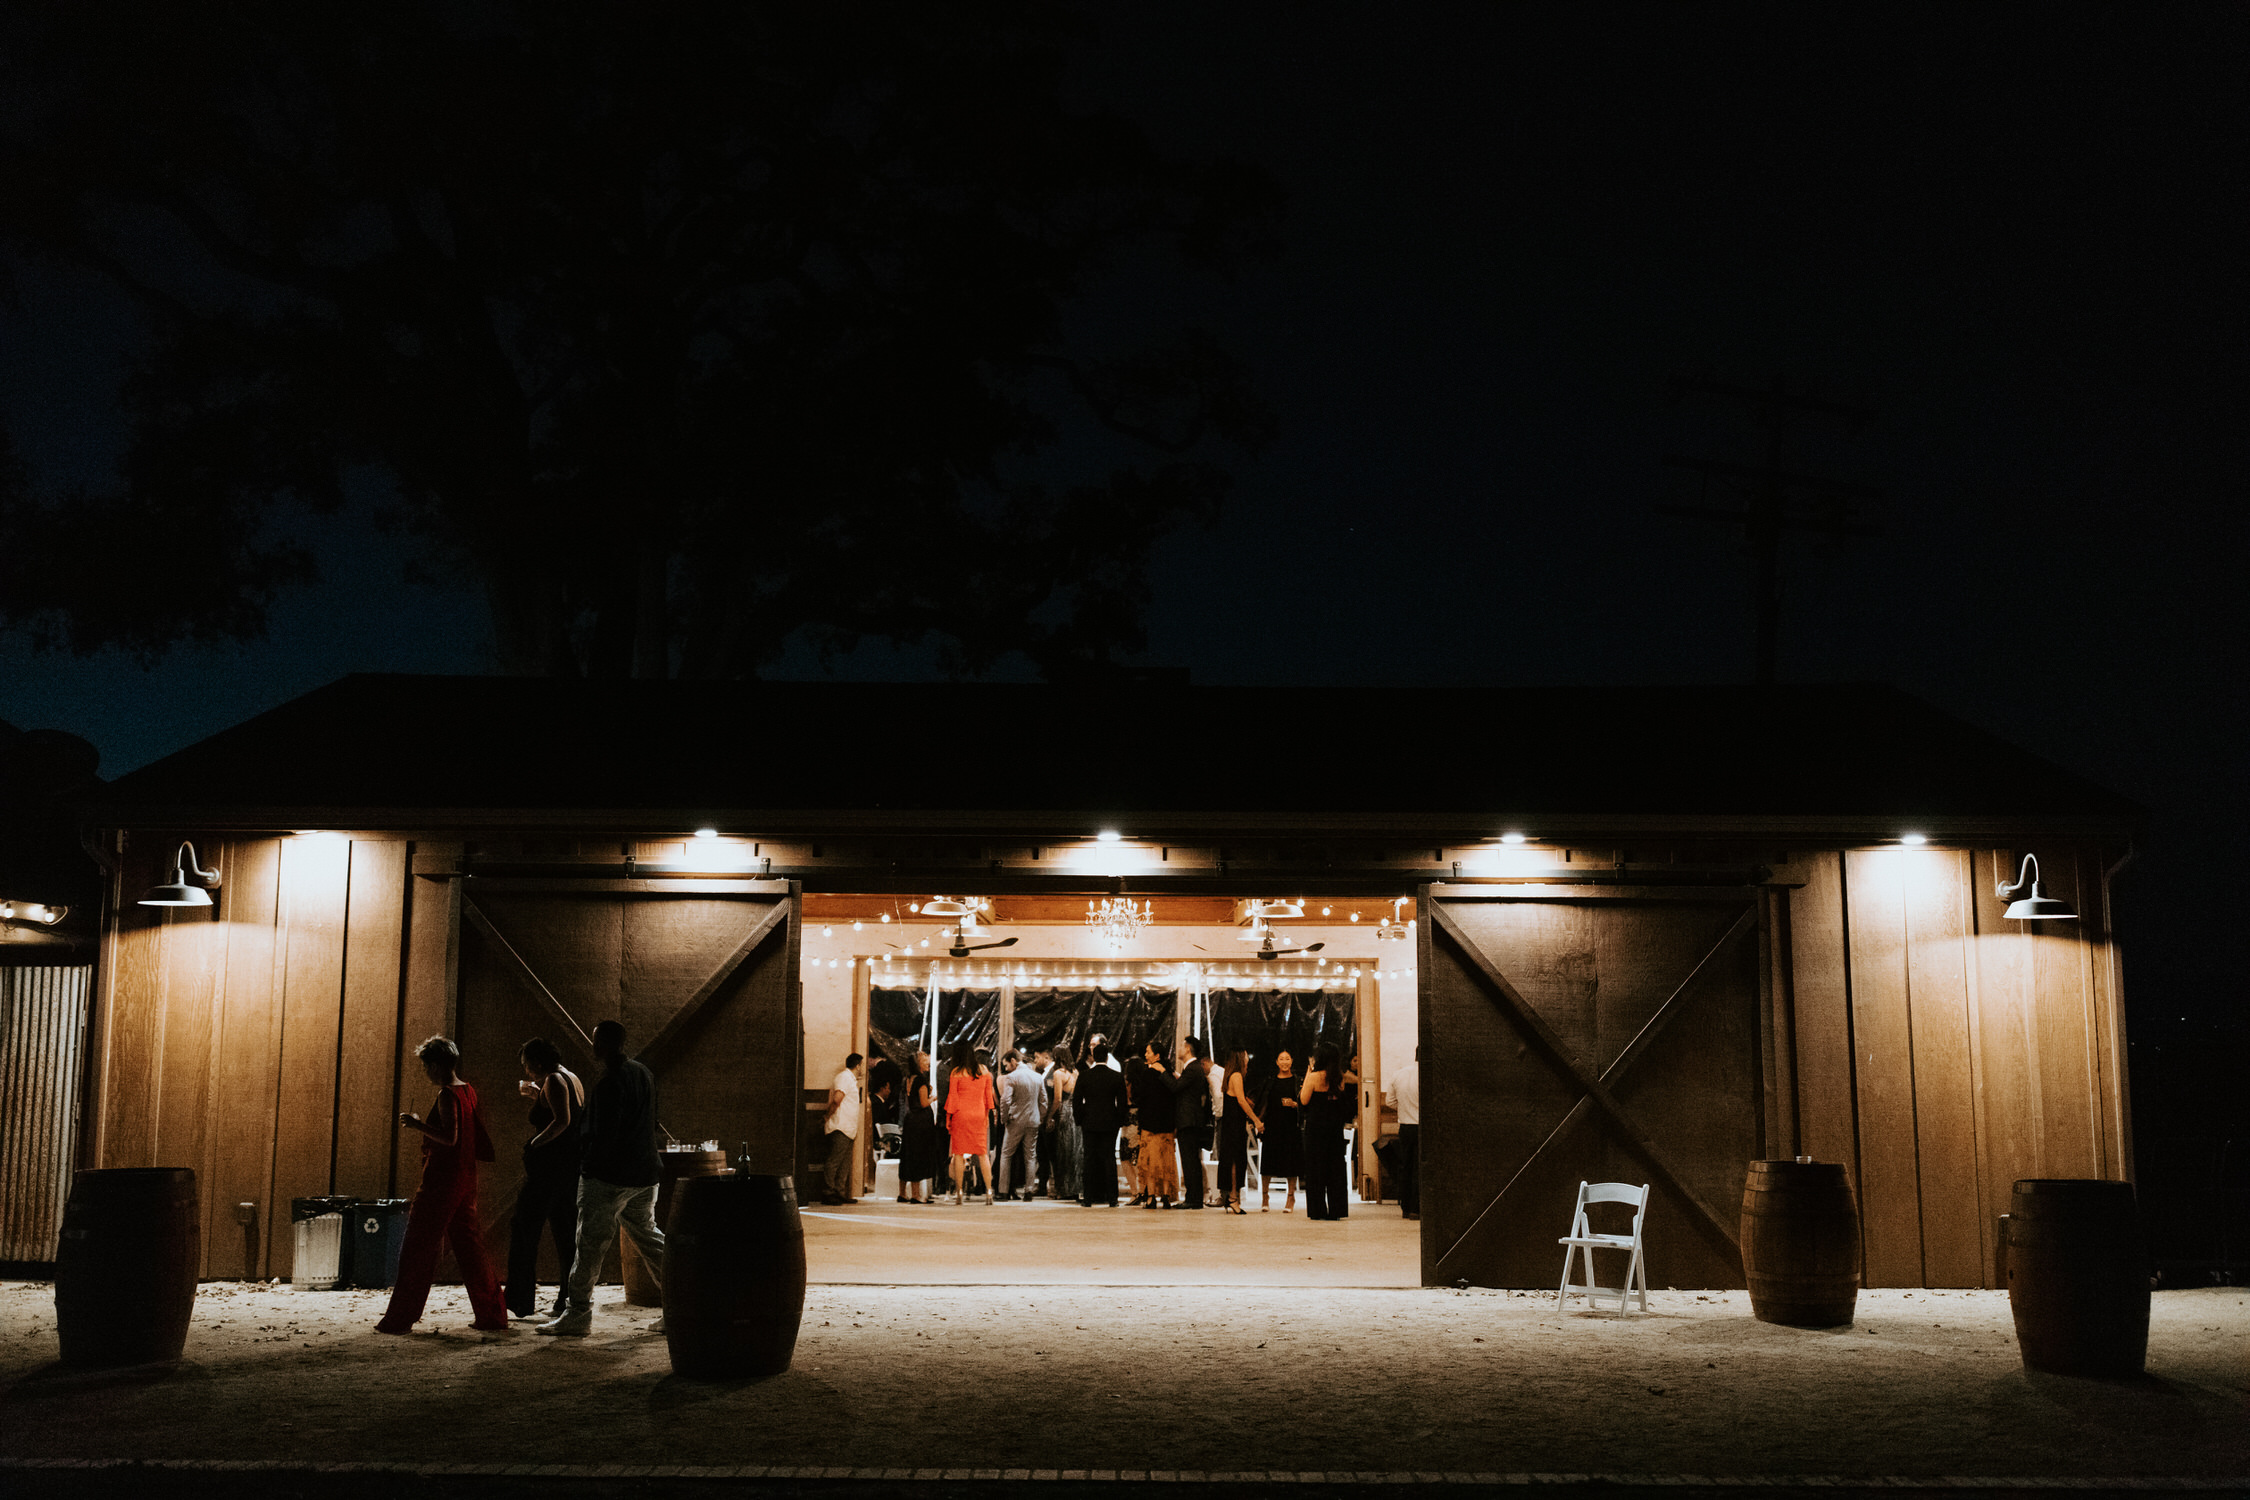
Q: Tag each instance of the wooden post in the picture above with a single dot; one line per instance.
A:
(1367, 1017)
(863, 1160)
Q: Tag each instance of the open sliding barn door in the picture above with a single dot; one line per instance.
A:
(1572, 1034)
(703, 974)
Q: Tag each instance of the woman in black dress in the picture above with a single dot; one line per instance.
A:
(1327, 1101)
(548, 1200)
(1236, 1120)
(1282, 1152)
(921, 1147)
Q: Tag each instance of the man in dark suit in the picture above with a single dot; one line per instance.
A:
(1101, 1110)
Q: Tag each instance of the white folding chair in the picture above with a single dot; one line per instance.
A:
(1582, 1239)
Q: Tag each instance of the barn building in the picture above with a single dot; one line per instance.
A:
(1639, 934)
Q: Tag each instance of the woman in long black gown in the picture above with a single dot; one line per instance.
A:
(1236, 1121)
(921, 1139)
(1282, 1152)
(1327, 1100)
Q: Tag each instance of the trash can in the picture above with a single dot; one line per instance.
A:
(378, 1229)
(320, 1259)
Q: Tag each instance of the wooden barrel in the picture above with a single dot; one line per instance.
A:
(1800, 1243)
(640, 1287)
(2078, 1276)
(132, 1245)
(734, 1276)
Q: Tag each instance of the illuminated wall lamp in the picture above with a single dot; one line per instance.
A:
(2038, 906)
(178, 891)
(32, 911)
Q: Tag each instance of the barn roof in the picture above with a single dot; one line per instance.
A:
(393, 751)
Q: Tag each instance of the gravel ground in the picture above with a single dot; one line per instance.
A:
(1201, 1378)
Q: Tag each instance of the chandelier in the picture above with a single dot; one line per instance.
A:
(1116, 920)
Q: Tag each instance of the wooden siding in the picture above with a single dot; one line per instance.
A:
(267, 1041)
(1944, 1051)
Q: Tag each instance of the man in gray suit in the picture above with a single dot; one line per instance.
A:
(1022, 1097)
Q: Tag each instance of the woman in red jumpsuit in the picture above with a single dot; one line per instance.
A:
(445, 1205)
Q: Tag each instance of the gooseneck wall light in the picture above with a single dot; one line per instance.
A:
(190, 884)
(2038, 905)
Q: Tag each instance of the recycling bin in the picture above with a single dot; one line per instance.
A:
(378, 1229)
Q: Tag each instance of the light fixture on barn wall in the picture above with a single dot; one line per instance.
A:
(2038, 906)
(32, 911)
(179, 891)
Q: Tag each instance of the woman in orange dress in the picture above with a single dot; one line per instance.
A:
(969, 1103)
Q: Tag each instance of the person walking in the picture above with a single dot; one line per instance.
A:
(1154, 1108)
(445, 1204)
(921, 1138)
(1281, 1148)
(1406, 1098)
(548, 1199)
(1191, 1117)
(969, 1107)
(617, 1180)
(1062, 1126)
(842, 1127)
(1098, 1098)
(1021, 1090)
(1236, 1122)
(1327, 1101)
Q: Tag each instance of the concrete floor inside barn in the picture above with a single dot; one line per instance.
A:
(1270, 1362)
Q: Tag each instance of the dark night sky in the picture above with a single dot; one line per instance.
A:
(2016, 236)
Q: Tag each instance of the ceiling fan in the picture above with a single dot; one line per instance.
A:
(1267, 952)
(959, 946)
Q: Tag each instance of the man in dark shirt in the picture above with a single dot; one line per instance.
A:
(617, 1181)
(1191, 1117)
(1100, 1106)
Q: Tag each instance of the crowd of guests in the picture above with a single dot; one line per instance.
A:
(1046, 1124)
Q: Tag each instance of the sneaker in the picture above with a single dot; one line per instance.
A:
(657, 1326)
(575, 1324)
(534, 1316)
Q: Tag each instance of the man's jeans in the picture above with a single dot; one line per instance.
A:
(602, 1206)
(1023, 1137)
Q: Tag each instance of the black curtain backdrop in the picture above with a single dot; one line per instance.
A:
(1130, 1018)
(895, 1019)
(1265, 1022)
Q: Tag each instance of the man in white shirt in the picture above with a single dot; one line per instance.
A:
(1406, 1098)
(843, 1131)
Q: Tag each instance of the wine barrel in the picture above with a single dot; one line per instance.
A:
(640, 1287)
(1800, 1243)
(2078, 1276)
(132, 1245)
(734, 1276)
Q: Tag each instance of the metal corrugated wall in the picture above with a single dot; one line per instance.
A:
(42, 1039)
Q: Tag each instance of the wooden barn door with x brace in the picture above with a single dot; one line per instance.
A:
(1576, 1034)
(703, 974)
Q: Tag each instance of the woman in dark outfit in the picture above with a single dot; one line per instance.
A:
(1236, 1121)
(921, 1138)
(1282, 1152)
(548, 1198)
(1327, 1101)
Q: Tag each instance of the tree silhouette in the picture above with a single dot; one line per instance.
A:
(681, 328)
